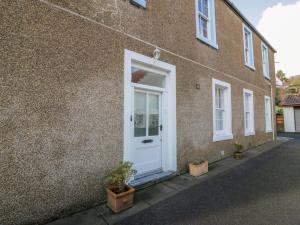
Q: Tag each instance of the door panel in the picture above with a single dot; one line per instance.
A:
(297, 119)
(140, 113)
(147, 139)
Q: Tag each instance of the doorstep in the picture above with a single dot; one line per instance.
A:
(150, 196)
(146, 181)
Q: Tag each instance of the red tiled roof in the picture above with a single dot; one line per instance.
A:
(291, 100)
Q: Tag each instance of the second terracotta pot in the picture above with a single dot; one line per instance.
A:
(198, 169)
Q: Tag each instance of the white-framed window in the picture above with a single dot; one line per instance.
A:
(268, 114)
(139, 3)
(222, 115)
(248, 112)
(265, 60)
(206, 22)
(248, 47)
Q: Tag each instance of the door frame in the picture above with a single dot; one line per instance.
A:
(169, 149)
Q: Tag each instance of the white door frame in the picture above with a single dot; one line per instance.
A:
(169, 150)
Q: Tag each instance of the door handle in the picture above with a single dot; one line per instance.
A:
(147, 141)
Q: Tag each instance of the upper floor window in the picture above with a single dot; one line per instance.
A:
(265, 60)
(139, 3)
(205, 22)
(222, 111)
(248, 47)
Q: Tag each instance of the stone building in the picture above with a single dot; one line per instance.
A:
(87, 84)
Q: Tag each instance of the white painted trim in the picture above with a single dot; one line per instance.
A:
(227, 133)
(224, 137)
(169, 149)
(252, 130)
(263, 45)
(268, 108)
(251, 66)
(212, 34)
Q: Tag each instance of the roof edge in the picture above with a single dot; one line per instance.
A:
(241, 15)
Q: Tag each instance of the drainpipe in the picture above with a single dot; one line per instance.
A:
(273, 112)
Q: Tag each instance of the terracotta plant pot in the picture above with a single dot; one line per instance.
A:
(198, 169)
(237, 155)
(120, 202)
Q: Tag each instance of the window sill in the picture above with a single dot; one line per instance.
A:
(269, 131)
(249, 133)
(223, 137)
(267, 78)
(250, 67)
(207, 42)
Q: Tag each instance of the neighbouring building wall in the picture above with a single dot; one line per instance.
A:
(62, 92)
(289, 119)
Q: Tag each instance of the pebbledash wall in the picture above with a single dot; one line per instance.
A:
(62, 94)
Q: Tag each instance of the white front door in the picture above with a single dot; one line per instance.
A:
(147, 131)
(149, 114)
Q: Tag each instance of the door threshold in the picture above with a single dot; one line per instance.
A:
(147, 174)
(147, 181)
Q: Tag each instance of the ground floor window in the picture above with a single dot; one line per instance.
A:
(222, 115)
(248, 113)
(268, 114)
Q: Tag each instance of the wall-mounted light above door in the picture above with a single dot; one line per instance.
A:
(139, 3)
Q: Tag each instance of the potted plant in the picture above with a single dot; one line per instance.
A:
(119, 194)
(238, 151)
(198, 168)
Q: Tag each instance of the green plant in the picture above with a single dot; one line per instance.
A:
(238, 147)
(119, 176)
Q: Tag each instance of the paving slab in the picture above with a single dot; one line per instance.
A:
(159, 192)
(89, 217)
(156, 193)
(263, 189)
(181, 183)
(111, 218)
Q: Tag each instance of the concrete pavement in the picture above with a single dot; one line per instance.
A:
(226, 195)
(265, 190)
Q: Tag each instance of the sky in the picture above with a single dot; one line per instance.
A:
(279, 23)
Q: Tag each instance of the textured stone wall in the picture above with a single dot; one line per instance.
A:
(61, 109)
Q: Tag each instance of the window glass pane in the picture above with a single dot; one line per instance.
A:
(265, 69)
(205, 7)
(219, 98)
(247, 55)
(140, 76)
(153, 115)
(139, 114)
(247, 120)
(200, 5)
(219, 120)
(247, 102)
(204, 27)
(247, 39)
(265, 54)
(265, 61)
